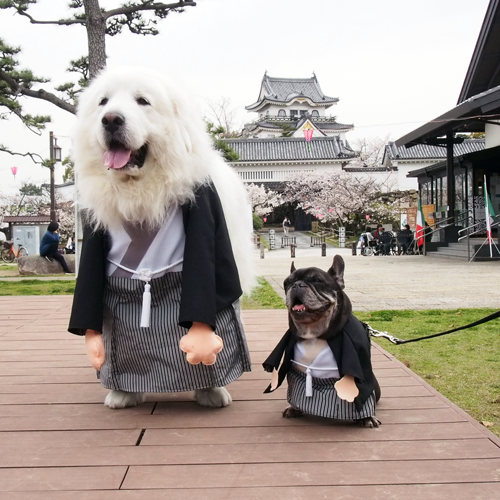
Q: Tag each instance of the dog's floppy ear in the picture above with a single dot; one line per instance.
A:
(337, 271)
(292, 269)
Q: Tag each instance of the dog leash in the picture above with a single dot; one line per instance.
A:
(375, 333)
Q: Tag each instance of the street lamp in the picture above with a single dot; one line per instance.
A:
(55, 156)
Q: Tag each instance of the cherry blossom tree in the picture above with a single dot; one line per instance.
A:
(263, 200)
(331, 197)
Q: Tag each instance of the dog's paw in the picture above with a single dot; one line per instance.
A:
(292, 413)
(122, 399)
(214, 397)
(369, 422)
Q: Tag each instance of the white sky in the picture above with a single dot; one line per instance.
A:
(394, 64)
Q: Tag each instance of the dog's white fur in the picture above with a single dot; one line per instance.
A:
(180, 158)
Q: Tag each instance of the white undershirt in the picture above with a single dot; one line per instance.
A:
(166, 248)
(325, 362)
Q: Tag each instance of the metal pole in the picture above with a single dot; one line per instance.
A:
(52, 186)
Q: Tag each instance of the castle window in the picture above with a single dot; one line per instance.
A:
(293, 113)
(282, 113)
(315, 114)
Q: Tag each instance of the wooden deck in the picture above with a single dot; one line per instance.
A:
(58, 441)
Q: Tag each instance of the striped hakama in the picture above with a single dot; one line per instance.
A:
(324, 401)
(150, 359)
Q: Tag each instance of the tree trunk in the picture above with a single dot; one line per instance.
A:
(96, 36)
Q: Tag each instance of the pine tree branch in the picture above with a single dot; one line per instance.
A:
(60, 22)
(124, 10)
(35, 157)
(37, 94)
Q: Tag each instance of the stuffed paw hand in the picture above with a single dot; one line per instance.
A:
(95, 348)
(201, 344)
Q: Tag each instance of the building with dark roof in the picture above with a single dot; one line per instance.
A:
(287, 106)
(273, 161)
(26, 230)
(454, 185)
(422, 156)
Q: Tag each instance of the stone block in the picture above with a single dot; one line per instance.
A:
(34, 265)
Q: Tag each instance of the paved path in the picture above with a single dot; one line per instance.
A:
(398, 282)
(59, 442)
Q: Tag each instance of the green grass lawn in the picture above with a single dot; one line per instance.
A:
(37, 287)
(463, 366)
(8, 267)
(262, 297)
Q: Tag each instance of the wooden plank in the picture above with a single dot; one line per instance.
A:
(288, 453)
(464, 491)
(9, 370)
(310, 433)
(67, 439)
(61, 478)
(66, 379)
(303, 474)
(126, 419)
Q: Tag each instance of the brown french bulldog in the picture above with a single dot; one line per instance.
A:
(326, 350)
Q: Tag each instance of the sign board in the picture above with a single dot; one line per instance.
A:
(315, 226)
(411, 217)
(272, 239)
(342, 237)
(429, 214)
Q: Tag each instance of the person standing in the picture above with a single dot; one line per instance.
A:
(49, 246)
(286, 225)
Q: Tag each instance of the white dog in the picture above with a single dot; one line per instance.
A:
(140, 149)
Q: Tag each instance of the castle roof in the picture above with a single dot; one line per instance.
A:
(291, 149)
(286, 90)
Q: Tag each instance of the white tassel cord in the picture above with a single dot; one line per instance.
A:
(146, 306)
(309, 378)
(309, 383)
(145, 275)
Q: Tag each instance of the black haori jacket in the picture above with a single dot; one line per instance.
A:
(210, 280)
(351, 348)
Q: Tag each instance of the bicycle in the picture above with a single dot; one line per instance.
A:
(9, 253)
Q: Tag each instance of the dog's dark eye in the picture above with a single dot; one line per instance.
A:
(104, 101)
(142, 102)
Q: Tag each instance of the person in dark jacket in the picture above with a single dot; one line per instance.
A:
(405, 238)
(49, 246)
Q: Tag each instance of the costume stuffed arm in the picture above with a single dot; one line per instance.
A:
(87, 311)
(210, 280)
(283, 351)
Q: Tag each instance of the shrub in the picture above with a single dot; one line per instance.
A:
(258, 223)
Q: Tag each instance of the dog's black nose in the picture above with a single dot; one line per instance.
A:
(112, 122)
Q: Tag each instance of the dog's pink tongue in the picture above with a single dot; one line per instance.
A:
(116, 158)
(300, 307)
